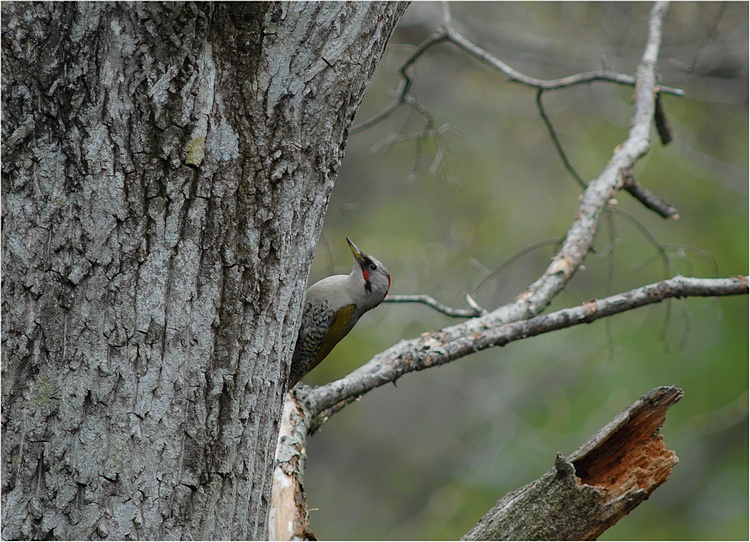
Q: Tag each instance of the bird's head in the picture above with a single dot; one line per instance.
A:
(376, 280)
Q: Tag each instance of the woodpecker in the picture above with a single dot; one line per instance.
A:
(332, 307)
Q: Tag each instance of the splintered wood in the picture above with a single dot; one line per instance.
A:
(634, 455)
(585, 494)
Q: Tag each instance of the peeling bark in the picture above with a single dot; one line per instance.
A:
(288, 516)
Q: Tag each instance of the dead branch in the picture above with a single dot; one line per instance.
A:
(587, 493)
(450, 344)
(454, 37)
(647, 198)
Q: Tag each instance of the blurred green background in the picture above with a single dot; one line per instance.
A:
(426, 459)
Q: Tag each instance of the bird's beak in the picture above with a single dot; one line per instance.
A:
(358, 254)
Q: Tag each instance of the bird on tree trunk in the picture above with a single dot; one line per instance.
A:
(332, 306)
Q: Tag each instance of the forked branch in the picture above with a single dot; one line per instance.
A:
(448, 34)
(453, 343)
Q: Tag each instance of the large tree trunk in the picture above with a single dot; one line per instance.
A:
(166, 170)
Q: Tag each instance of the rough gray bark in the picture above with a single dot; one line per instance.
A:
(166, 170)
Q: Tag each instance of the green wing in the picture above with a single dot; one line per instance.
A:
(342, 323)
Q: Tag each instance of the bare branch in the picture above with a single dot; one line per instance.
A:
(662, 123)
(437, 166)
(660, 251)
(515, 257)
(404, 93)
(435, 304)
(594, 200)
(556, 140)
(477, 52)
(587, 493)
(449, 34)
(648, 199)
(449, 344)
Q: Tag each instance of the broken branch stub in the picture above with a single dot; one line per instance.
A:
(587, 493)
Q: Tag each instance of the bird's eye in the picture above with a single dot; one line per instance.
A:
(373, 267)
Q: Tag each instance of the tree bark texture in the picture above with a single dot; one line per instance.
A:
(166, 170)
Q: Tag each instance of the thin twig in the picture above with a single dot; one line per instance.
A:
(556, 140)
(647, 198)
(515, 76)
(661, 253)
(663, 128)
(404, 96)
(514, 258)
(447, 33)
(609, 250)
(413, 136)
(435, 304)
